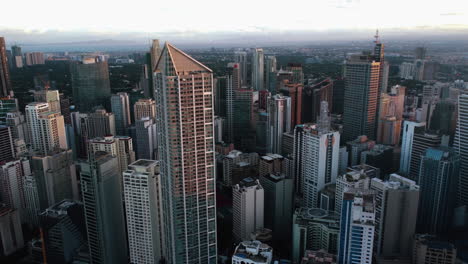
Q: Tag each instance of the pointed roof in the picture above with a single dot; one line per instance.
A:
(182, 62)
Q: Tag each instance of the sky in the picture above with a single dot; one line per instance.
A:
(116, 18)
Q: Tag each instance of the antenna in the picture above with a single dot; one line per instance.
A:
(377, 40)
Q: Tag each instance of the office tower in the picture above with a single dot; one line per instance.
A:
(55, 176)
(343, 160)
(247, 208)
(242, 122)
(380, 156)
(362, 82)
(11, 233)
(357, 227)
(420, 53)
(120, 106)
(270, 164)
(297, 73)
(409, 129)
(320, 154)
(5, 82)
(64, 231)
(11, 183)
(34, 58)
(65, 108)
(294, 91)
(314, 229)
(279, 121)
(90, 83)
(7, 104)
(241, 58)
(396, 207)
(18, 126)
(32, 202)
(80, 125)
(219, 124)
(252, 252)
(16, 56)
(270, 73)
(146, 139)
(443, 119)
(390, 116)
(313, 95)
(143, 193)
(287, 147)
(278, 195)
(155, 53)
(327, 197)
(356, 147)
(224, 96)
(101, 124)
(460, 145)
(421, 141)
(438, 179)
(119, 146)
(101, 190)
(338, 96)
(258, 69)
(51, 97)
(407, 70)
(186, 153)
(47, 129)
(428, 249)
(144, 108)
(234, 159)
(7, 152)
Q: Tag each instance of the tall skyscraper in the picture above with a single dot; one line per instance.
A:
(279, 121)
(16, 56)
(101, 189)
(241, 58)
(5, 82)
(7, 151)
(439, 179)
(258, 69)
(428, 249)
(396, 208)
(357, 227)
(295, 92)
(119, 146)
(460, 145)
(270, 73)
(143, 193)
(91, 85)
(51, 97)
(247, 208)
(186, 149)
(409, 129)
(421, 142)
(11, 183)
(34, 58)
(362, 82)
(120, 106)
(313, 95)
(155, 53)
(101, 124)
(144, 108)
(8, 104)
(11, 233)
(146, 139)
(243, 105)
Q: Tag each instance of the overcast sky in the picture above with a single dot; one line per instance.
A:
(108, 18)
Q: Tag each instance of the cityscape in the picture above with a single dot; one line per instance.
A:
(350, 151)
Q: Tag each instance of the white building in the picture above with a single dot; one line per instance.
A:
(279, 121)
(144, 108)
(258, 69)
(460, 145)
(119, 146)
(407, 145)
(11, 183)
(234, 159)
(120, 105)
(143, 210)
(252, 252)
(247, 208)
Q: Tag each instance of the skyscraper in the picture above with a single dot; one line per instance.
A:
(247, 208)
(146, 139)
(243, 104)
(357, 227)
(11, 233)
(313, 95)
(144, 108)
(155, 53)
(51, 97)
(460, 145)
(186, 149)
(409, 129)
(295, 92)
(101, 124)
(270, 73)
(120, 106)
(7, 151)
(11, 183)
(241, 58)
(90, 84)
(101, 189)
(362, 82)
(143, 193)
(439, 179)
(119, 146)
(279, 121)
(7, 104)
(5, 82)
(258, 69)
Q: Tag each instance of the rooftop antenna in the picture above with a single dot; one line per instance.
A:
(377, 38)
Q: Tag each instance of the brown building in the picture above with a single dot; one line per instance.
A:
(294, 90)
(312, 95)
(5, 83)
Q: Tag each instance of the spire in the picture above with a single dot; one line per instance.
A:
(323, 123)
(376, 36)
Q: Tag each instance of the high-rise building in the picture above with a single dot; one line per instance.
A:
(428, 249)
(55, 177)
(155, 53)
(247, 208)
(357, 227)
(234, 159)
(119, 146)
(16, 56)
(270, 164)
(32, 200)
(295, 92)
(5, 82)
(34, 58)
(186, 153)
(120, 106)
(460, 145)
(8, 104)
(51, 97)
(313, 95)
(390, 116)
(258, 69)
(65, 108)
(380, 156)
(421, 142)
(146, 139)
(320, 156)
(315, 229)
(91, 85)
(279, 121)
(101, 190)
(243, 104)
(438, 178)
(144, 108)
(143, 193)
(11, 233)
(420, 53)
(7, 151)
(270, 73)
(338, 96)
(297, 73)
(278, 205)
(11, 183)
(396, 207)
(64, 231)
(409, 129)
(101, 124)
(241, 58)
(362, 83)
